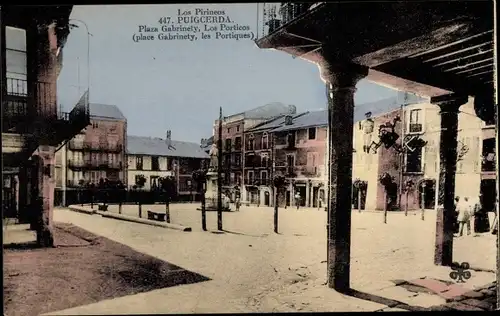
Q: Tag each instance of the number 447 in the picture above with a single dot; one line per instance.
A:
(164, 20)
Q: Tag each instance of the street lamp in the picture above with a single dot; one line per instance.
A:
(71, 25)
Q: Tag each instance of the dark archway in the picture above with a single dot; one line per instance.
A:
(488, 191)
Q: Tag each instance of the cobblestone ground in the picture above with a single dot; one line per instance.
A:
(255, 270)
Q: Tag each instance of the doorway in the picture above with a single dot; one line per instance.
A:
(266, 198)
(9, 196)
(429, 192)
(302, 191)
(488, 190)
(315, 196)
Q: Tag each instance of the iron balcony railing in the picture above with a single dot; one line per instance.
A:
(27, 103)
(75, 163)
(257, 181)
(73, 184)
(75, 145)
(100, 147)
(307, 171)
(272, 16)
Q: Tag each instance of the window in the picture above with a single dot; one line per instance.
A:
(237, 160)
(250, 144)
(237, 143)
(228, 144)
(138, 163)
(312, 159)
(154, 184)
(227, 161)
(95, 125)
(229, 130)
(488, 155)
(413, 160)
(312, 133)
(237, 128)
(15, 42)
(140, 180)
(290, 163)
(250, 177)
(238, 178)
(415, 121)
(112, 129)
(265, 141)
(155, 163)
(265, 161)
(291, 139)
(263, 177)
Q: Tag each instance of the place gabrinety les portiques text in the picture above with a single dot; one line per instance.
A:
(185, 26)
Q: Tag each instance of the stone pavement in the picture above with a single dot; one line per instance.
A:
(254, 270)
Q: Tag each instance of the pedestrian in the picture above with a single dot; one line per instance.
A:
(494, 226)
(297, 199)
(456, 226)
(238, 204)
(464, 214)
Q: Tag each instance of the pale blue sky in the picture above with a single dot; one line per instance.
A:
(179, 85)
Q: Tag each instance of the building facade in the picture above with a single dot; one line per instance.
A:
(233, 148)
(97, 152)
(414, 157)
(402, 144)
(32, 42)
(153, 158)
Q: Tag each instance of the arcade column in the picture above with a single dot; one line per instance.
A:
(449, 108)
(45, 200)
(341, 80)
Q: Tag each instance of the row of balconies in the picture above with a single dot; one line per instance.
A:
(257, 146)
(300, 171)
(94, 164)
(258, 181)
(275, 15)
(99, 147)
(232, 148)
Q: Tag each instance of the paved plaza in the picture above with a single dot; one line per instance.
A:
(254, 270)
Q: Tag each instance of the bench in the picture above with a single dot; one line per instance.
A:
(156, 216)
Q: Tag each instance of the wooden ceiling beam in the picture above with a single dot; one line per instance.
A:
(457, 52)
(473, 69)
(462, 58)
(460, 67)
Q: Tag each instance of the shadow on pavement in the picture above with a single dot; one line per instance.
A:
(383, 300)
(22, 246)
(243, 234)
(38, 281)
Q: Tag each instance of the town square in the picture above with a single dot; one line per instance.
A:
(241, 158)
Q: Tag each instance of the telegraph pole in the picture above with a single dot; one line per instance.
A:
(219, 173)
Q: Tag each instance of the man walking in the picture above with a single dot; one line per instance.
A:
(297, 199)
(464, 214)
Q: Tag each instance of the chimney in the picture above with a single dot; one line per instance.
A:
(288, 120)
(168, 140)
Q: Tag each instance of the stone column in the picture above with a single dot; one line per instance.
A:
(45, 199)
(23, 193)
(449, 105)
(342, 80)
